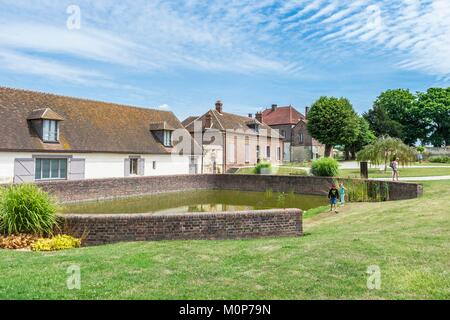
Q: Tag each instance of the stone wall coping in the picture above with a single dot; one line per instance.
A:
(137, 216)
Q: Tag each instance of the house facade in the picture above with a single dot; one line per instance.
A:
(230, 140)
(49, 137)
(292, 125)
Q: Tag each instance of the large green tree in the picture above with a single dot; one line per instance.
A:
(385, 149)
(364, 137)
(382, 124)
(394, 114)
(433, 112)
(332, 121)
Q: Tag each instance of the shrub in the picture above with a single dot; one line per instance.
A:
(15, 242)
(325, 167)
(263, 168)
(26, 209)
(439, 159)
(59, 242)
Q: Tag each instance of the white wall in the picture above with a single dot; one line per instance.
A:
(100, 165)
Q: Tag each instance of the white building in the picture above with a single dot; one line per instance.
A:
(49, 137)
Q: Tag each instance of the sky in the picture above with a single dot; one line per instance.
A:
(182, 56)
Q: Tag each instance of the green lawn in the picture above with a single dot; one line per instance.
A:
(404, 172)
(284, 171)
(409, 240)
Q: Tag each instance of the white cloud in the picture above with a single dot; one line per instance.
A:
(238, 36)
(24, 64)
(164, 107)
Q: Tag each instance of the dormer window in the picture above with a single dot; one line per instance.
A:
(46, 123)
(163, 132)
(50, 131)
(254, 125)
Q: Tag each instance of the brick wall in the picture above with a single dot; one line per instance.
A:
(72, 191)
(102, 229)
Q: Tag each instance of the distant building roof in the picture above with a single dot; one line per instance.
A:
(282, 115)
(189, 120)
(88, 126)
(229, 121)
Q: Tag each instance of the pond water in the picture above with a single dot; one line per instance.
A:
(199, 201)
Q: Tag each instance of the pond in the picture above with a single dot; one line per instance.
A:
(199, 201)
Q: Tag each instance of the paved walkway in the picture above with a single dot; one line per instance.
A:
(355, 165)
(416, 178)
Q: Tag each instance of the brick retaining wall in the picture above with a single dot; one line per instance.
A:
(142, 227)
(102, 229)
(84, 190)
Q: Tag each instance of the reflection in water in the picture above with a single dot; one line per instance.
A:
(199, 201)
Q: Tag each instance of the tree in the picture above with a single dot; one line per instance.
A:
(365, 137)
(433, 110)
(381, 123)
(333, 121)
(394, 114)
(384, 150)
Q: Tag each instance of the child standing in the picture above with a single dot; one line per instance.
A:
(342, 190)
(333, 195)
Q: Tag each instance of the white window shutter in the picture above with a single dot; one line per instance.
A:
(141, 169)
(77, 169)
(127, 167)
(23, 170)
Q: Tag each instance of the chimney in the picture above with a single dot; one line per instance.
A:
(259, 116)
(219, 106)
(250, 115)
(208, 121)
(274, 107)
(306, 112)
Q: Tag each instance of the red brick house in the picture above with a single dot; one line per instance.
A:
(298, 143)
(229, 140)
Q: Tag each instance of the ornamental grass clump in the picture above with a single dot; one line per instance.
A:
(325, 167)
(26, 209)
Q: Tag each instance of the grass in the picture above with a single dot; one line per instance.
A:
(404, 172)
(283, 171)
(409, 240)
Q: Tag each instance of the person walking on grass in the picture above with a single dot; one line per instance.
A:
(394, 166)
(333, 195)
(342, 190)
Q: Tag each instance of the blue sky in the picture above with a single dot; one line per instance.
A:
(184, 55)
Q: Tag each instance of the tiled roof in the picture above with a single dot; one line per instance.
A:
(229, 121)
(188, 120)
(45, 114)
(282, 115)
(88, 126)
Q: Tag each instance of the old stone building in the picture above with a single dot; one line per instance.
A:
(229, 140)
(298, 143)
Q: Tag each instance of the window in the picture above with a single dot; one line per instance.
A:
(283, 133)
(257, 153)
(134, 163)
(50, 131)
(268, 152)
(168, 138)
(154, 165)
(279, 153)
(300, 136)
(247, 153)
(48, 169)
(231, 151)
